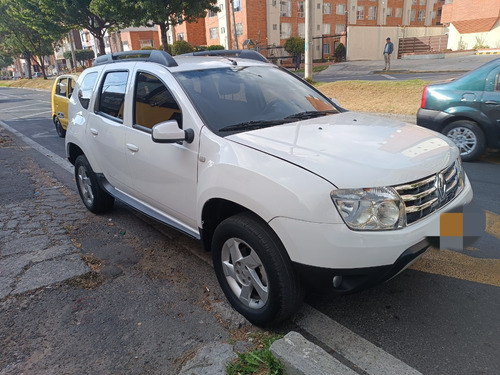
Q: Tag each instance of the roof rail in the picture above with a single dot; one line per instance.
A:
(160, 57)
(242, 53)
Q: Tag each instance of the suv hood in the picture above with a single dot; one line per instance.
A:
(352, 150)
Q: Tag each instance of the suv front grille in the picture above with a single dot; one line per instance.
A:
(423, 197)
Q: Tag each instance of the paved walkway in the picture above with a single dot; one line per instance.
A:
(35, 249)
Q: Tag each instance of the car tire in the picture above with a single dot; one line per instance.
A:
(93, 196)
(468, 137)
(254, 270)
(59, 129)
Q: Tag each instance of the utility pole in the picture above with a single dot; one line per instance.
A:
(309, 40)
(235, 32)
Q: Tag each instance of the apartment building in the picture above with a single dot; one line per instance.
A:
(267, 23)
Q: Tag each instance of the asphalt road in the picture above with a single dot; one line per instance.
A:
(440, 317)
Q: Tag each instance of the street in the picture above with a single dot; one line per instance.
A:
(161, 301)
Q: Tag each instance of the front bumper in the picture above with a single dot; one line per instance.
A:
(353, 280)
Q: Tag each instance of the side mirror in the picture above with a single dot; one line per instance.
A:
(169, 132)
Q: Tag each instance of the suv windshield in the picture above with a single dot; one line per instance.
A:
(245, 98)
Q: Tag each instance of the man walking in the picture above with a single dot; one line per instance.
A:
(389, 47)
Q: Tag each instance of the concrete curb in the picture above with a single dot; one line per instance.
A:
(302, 357)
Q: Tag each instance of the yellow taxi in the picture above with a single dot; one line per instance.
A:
(61, 93)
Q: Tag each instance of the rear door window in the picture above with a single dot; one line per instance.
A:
(112, 94)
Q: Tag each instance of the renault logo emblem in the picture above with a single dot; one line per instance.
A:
(440, 186)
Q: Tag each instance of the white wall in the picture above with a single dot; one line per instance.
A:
(457, 41)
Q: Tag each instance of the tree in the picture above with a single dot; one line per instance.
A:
(171, 13)
(180, 47)
(81, 56)
(28, 30)
(339, 52)
(296, 47)
(97, 16)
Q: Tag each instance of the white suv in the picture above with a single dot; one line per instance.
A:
(284, 187)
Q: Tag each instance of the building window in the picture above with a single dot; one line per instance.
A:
(339, 28)
(180, 36)
(327, 29)
(389, 12)
(237, 5)
(372, 13)
(318, 27)
(275, 26)
(326, 49)
(421, 14)
(399, 12)
(414, 2)
(422, 2)
(300, 9)
(146, 43)
(302, 30)
(285, 30)
(412, 17)
(211, 13)
(340, 9)
(360, 15)
(433, 14)
(327, 8)
(239, 29)
(285, 8)
(214, 33)
(222, 30)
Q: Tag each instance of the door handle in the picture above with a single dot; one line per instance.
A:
(491, 102)
(94, 131)
(132, 147)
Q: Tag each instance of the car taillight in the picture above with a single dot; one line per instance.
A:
(424, 97)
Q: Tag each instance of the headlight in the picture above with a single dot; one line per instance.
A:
(370, 209)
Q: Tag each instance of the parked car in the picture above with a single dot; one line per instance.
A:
(61, 93)
(285, 188)
(467, 110)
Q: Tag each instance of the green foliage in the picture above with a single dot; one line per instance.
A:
(339, 52)
(260, 361)
(81, 55)
(170, 13)
(181, 46)
(215, 47)
(146, 48)
(295, 45)
(5, 60)
(480, 43)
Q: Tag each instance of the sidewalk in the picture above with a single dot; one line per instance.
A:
(428, 64)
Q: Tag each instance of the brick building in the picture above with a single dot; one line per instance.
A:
(473, 24)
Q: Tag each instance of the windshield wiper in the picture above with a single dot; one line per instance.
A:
(252, 125)
(310, 114)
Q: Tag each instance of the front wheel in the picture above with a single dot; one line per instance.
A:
(93, 196)
(254, 270)
(59, 129)
(468, 137)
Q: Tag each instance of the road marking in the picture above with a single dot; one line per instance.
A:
(459, 266)
(63, 163)
(349, 345)
(493, 224)
(388, 76)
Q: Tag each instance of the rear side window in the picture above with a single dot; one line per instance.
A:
(112, 95)
(62, 87)
(154, 102)
(86, 89)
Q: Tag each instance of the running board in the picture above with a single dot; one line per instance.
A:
(144, 209)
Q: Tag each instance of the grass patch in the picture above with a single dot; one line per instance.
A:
(316, 69)
(34, 83)
(258, 361)
(400, 97)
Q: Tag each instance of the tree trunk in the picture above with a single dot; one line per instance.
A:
(163, 33)
(100, 45)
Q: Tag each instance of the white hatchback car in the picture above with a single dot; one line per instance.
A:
(284, 187)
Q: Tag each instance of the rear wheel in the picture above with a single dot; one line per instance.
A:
(254, 270)
(93, 196)
(468, 137)
(59, 129)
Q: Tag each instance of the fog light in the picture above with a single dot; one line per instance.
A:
(337, 280)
